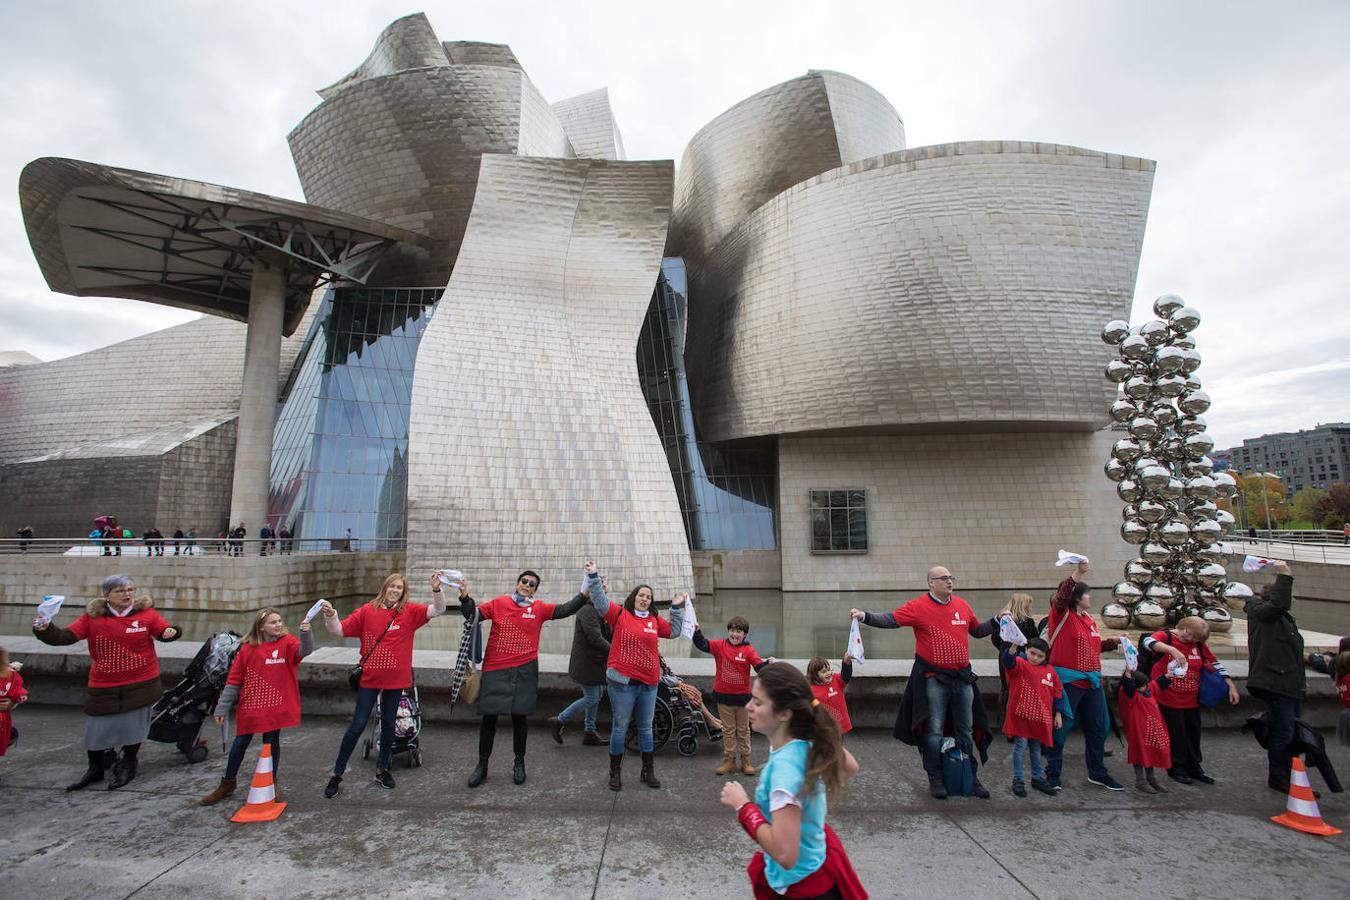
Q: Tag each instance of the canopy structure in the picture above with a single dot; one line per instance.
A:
(99, 231)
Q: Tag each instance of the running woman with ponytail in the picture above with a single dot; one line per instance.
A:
(800, 856)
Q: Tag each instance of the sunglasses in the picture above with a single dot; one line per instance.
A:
(525, 582)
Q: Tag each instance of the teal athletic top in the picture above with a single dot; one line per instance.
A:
(780, 784)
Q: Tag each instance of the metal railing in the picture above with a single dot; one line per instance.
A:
(1301, 536)
(199, 546)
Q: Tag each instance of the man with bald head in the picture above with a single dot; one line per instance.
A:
(942, 683)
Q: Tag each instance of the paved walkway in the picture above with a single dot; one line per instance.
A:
(1332, 554)
(562, 834)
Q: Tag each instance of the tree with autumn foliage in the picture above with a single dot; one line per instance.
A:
(1255, 491)
(1333, 509)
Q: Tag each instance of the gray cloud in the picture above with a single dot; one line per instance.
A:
(1244, 107)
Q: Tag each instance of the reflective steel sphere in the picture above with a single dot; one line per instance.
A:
(1170, 491)
(1129, 490)
(1138, 571)
(1135, 347)
(1225, 485)
(1236, 594)
(1115, 469)
(1125, 449)
(1161, 594)
(1142, 462)
(1166, 305)
(1225, 519)
(1187, 425)
(1204, 554)
(1210, 575)
(1140, 387)
(1206, 532)
(1154, 553)
(1202, 509)
(1123, 410)
(1193, 467)
(1150, 512)
(1170, 361)
(1191, 360)
(1115, 331)
(1116, 615)
(1154, 477)
(1194, 403)
(1127, 593)
(1174, 533)
(1184, 320)
(1155, 332)
(1196, 446)
(1133, 531)
(1218, 618)
(1129, 511)
(1143, 428)
(1200, 487)
(1148, 614)
(1117, 370)
(1163, 413)
(1170, 385)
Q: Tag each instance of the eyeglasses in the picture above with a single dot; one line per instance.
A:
(124, 590)
(525, 582)
(943, 578)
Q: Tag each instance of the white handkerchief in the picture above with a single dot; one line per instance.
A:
(50, 606)
(1254, 563)
(314, 610)
(690, 619)
(1008, 630)
(451, 577)
(1070, 559)
(1176, 668)
(855, 644)
(1131, 654)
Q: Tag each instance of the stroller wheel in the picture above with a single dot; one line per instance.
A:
(415, 757)
(687, 744)
(198, 753)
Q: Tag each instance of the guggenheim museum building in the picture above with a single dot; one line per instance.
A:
(808, 354)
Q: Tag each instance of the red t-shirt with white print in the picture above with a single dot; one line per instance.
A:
(11, 688)
(269, 693)
(1183, 692)
(1032, 691)
(941, 630)
(831, 696)
(634, 650)
(389, 666)
(514, 638)
(733, 666)
(121, 649)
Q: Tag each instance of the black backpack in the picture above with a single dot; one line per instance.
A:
(1147, 657)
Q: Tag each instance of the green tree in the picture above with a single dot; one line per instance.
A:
(1333, 508)
(1304, 504)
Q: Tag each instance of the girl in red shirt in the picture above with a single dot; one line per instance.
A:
(828, 687)
(12, 693)
(263, 682)
(123, 676)
(634, 668)
(385, 626)
(1145, 731)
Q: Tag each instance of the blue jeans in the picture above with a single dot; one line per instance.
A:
(1280, 715)
(365, 705)
(1089, 711)
(953, 698)
(626, 702)
(591, 694)
(1020, 746)
(241, 742)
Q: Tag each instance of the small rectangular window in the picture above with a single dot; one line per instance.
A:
(839, 521)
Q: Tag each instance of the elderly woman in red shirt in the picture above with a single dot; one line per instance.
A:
(123, 676)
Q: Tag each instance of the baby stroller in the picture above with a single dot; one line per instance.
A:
(407, 728)
(676, 715)
(177, 717)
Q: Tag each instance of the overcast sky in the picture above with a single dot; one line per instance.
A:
(1245, 107)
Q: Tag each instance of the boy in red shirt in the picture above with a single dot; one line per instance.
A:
(1034, 695)
(731, 691)
(1180, 708)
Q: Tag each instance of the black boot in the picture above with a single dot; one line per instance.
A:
(518, 770)
(99, 761)
(124, 770)
(648, 774)
(616, 772)
(479, 773)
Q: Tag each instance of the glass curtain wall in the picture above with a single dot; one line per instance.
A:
(727, 491)
(340, 446)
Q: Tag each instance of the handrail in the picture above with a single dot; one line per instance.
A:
(197, 546)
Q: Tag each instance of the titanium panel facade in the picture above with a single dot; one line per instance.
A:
(767, 143)
(406, 43)
(590, 125)
(530, 441)
(954, 287)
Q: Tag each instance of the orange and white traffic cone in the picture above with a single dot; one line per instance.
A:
(262, 805)
(1300, 812)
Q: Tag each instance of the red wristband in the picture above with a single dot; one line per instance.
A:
(751, 818)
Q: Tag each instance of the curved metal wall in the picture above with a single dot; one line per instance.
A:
(954, 286)
(530, 441)
(767, 143)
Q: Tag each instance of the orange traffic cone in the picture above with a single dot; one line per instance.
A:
(262, 805)
(1301, 813)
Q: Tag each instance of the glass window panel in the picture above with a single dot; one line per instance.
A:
(857, 498)
(838, 498)
(857, 529)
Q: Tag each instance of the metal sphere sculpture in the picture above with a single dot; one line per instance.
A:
(1165, 477)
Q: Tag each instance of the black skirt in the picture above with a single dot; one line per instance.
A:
(513, 691)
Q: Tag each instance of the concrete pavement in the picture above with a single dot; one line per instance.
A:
(562, 834)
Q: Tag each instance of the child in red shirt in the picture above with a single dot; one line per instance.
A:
(1150, 747)
(12, 693)
(828, 687)
(1179, 704)
(731, 691)
(263, 682)
(1034, 694)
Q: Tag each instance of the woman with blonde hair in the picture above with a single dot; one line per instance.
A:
(263, 682)
(385, 626)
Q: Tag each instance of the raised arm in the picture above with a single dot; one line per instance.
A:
(1263, 608)
(983, 629)
(677, 614)
(331, 622)
(437, 605)
(1008, 656)
(53, 634)
(595, 587)
(701, 641)
(571, 607)
(306, 640)
(846, 669)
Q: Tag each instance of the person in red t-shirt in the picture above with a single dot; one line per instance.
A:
(263, 681)
(941, 684)
(1185, 646)
(1145, 731)
(12, 693)
(634, 668)
(731, 691)
(1076, 648)
(1034, 700)
(385, 626)
(123, 676)
(828, 687)
(510, 684)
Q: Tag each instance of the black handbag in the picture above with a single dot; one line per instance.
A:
(354, 675)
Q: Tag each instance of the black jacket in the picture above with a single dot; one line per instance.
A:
(1307, 743)
(590, 647)
(912, 717)
(1274, 645)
